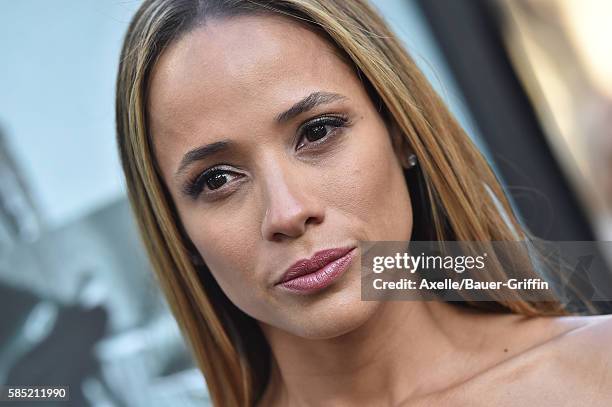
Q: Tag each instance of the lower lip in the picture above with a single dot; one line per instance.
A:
(321, 278)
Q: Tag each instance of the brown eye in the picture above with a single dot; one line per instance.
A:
(315, 133)
(216, 180)
(320, 128)
(210, 181)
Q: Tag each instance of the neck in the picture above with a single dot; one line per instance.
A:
(395, 355)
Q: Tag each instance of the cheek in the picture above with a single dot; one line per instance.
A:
(373, 188)
(223, 244)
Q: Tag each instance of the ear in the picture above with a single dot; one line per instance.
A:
(401, 147)
(196, 259)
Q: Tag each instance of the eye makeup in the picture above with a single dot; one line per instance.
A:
(320, 129)
(212, 179)
(215, 182)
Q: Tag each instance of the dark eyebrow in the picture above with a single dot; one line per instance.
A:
(202, 152)
(308, 103)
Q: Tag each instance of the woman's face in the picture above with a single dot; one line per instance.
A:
(261, 180)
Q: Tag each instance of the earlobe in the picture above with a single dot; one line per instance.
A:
(402, 149)
(196, 258)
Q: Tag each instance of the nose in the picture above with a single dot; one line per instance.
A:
(291, 209)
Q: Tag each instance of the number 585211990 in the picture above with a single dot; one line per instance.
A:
(57, 393)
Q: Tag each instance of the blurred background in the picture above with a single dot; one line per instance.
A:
(530, 81)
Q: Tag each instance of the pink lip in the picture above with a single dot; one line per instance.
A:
(307, 275)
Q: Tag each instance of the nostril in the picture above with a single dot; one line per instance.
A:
(313, 220)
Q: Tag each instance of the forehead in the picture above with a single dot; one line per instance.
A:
(237, 67)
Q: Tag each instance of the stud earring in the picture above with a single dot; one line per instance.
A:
(412, 161)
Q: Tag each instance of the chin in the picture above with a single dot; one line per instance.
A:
(332, 317)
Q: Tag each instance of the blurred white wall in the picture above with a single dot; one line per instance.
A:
(56, 99)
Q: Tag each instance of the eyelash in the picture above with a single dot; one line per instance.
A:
(336, 121)
(195, 186)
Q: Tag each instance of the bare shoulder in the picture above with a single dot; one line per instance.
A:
(571, 364)
(589, 346)
(582, 359)
(587, 342)
(597, 328)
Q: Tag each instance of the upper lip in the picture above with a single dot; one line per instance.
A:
(318, 260)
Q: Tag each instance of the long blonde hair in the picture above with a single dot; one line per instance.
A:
(455, 193)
